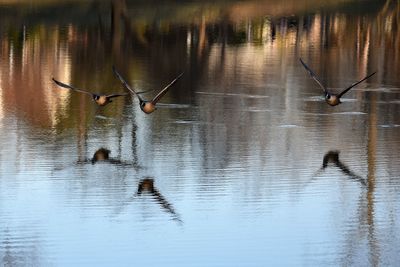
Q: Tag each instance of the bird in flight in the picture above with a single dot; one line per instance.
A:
(147, 106)
(100, 99)
(331, 98)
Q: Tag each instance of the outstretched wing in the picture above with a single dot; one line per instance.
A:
(354, 84)
(165, 90)
(72, 87)
(124, 83)
(312, 74)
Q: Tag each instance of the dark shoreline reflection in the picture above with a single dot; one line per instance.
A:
(332, 158)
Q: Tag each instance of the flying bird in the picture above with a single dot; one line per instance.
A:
(147, 106)
(100, 99)
(331, 98)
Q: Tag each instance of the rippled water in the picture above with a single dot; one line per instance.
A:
(242, 164)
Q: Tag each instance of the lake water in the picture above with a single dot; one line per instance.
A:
(242, 164)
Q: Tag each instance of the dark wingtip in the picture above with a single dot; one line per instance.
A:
(116, 73)
(180, 75)
(114, 69)
(57, 82)
(302, 62)
(370, 75)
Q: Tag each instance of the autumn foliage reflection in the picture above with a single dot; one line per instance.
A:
(82, 54)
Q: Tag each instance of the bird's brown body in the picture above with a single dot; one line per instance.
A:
(102, 100)
(331, 98)
(148, 107)
(145, 105)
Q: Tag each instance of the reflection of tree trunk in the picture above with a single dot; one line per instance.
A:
(249, 28)
(300, 29)
(134, 144)
(82, 133)
(358, 37)
(202, 36)
(371, 150)
(224, 40)
(120, 137)
(118, 10)
(366, 51)
(363, 48)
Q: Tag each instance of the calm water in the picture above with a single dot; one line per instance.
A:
(243, 164)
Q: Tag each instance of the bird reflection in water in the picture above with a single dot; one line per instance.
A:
(333, 158)
(103, 155)
(146, 186)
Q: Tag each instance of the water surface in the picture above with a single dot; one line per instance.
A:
(243, 163)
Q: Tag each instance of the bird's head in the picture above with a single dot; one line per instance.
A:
(327, 96)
